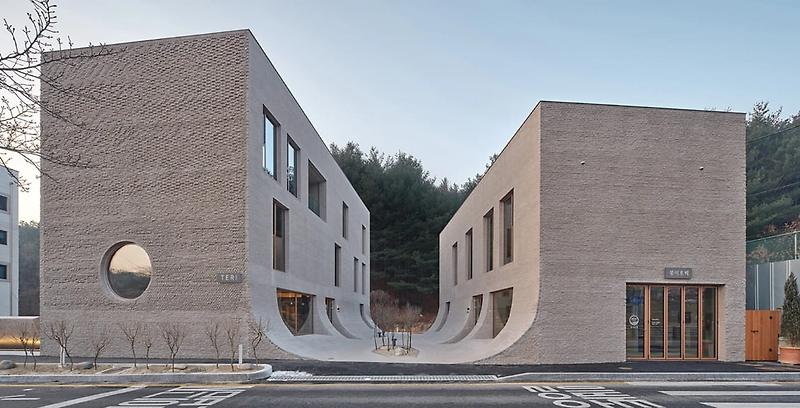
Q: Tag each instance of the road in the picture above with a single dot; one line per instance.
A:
(675, 394)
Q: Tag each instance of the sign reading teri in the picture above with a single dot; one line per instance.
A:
(230, 278)
(678, 273)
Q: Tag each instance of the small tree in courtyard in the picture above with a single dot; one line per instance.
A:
(131, 332)
(212, 332)
(60, 332)
(258, 330)
(99, 343)
(147, 342)
(173, 335)
(790, 318)
(231, 330)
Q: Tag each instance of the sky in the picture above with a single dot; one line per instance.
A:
(450, 81)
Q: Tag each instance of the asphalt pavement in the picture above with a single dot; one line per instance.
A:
(670, 394)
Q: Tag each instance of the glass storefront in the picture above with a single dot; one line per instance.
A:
(296, 311)
(671, 321)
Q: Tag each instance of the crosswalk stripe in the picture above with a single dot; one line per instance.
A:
(676, 384)
(752, 404)
(756, 393)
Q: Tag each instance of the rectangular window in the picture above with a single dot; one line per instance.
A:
(316, 191)
(507, 209)
(488, 233)
(345, 215)
(468, 252)
(364, 280)
(269, 146)
(477, 305)
(455, 263)
(3, 272)
(3, 237)
(363, 239)
(355, 275)
(292, 173)
(279, 213)
(337, 263)
(3, 203)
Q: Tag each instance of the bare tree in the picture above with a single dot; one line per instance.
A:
(34, 44)
(258, 330)
(173, 334)
(60, 332)
(232, 335)
(23, 334)
(147, 342)
(212, 332)
(131, 332)
(409, 318)
(384, 313)
(99, 342)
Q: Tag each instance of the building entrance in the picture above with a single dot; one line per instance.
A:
(676, 322)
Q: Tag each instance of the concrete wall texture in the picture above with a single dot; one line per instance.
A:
(639, 203)
(172, 129)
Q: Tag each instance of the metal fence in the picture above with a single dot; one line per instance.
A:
(776, 248)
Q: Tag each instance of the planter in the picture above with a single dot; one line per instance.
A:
(789, 355)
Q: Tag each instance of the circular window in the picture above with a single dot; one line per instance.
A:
(128, 271)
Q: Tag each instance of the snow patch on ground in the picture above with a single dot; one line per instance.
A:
(291, 374)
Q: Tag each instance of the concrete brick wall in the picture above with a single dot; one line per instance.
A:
(165, 130)
(639, 204)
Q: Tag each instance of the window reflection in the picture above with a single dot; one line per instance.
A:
(502, 310)
(129, 271)
(296, 310)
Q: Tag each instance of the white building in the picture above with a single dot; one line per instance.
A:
(9, 245)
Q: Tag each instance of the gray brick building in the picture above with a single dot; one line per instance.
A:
(210, 199)
(602, 233)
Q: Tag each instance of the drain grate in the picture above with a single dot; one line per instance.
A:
(384, 378)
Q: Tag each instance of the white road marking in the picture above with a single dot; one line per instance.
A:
(757, 393)
(20, 397)
(93, 397)
(701, 384)
(752, 404)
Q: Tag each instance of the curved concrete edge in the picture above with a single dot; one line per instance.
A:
(155, 378)
(664, 376)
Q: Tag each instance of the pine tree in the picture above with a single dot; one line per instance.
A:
(790, 319)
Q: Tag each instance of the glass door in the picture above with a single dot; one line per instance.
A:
(674, 326)
(656, 322)
(671, 322)
(634, 322)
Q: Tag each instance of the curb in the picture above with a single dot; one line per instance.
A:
(657, 376)
(154, 378)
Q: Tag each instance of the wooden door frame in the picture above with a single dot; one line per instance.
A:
(664, 320)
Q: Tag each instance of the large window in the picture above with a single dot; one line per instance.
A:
(3, 237)
(292, 172)
(488, 243)
(501, 305)
(279, 213)
(337, 263)
(507, 209)
(269, 147)
(3, 272)
(468, 253)
(345, 220)
(297, 311)
(128, 270)
(455, 264)
(316, 191)
(3, 203)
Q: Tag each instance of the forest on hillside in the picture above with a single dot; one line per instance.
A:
(408, 208)
(773, 172)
